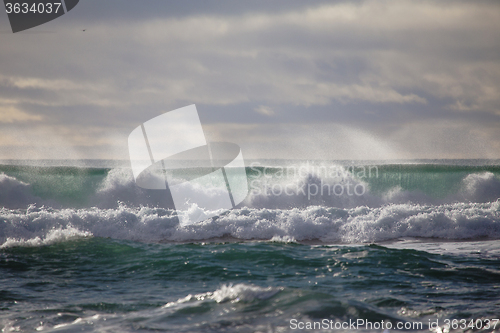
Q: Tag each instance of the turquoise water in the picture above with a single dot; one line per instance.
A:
(76, 186)
(84, 249)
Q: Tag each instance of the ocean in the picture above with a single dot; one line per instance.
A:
(317, 246)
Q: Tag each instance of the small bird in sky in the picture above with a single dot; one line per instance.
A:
(84, 29)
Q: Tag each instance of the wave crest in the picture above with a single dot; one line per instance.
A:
(231, 293)
(15, 193)
(52, 237)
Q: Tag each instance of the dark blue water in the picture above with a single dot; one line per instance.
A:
(100, 284)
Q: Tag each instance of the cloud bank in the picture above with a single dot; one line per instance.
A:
(363, 79)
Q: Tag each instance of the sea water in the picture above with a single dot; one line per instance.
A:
(82, 248)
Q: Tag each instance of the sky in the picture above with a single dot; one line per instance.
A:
(362, 80)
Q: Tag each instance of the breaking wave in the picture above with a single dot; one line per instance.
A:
(303, 208)
(39, 226)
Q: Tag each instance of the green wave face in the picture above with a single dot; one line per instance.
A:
(77, 186)
(70, 186)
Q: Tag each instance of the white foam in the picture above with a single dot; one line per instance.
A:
(310, 190)
(119, 186)
(230, 293)
(53, 236)
(459, 221)
(123, 211)
(480, 187)
(285, 239)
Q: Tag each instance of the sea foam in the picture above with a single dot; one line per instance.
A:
(326, 224)
(231, 293)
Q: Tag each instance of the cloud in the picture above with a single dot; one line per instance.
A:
(10, 114)
(265, 110)
(364, 65)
